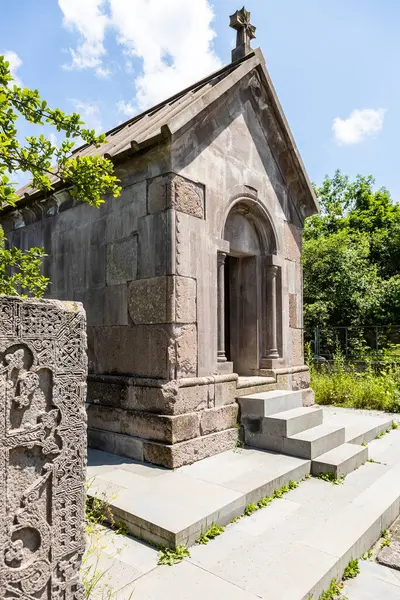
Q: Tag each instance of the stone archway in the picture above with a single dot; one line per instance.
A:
(248, 290)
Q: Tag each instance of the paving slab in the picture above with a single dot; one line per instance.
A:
(361, 425)
(374, 582)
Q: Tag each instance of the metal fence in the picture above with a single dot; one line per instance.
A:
(355, 342)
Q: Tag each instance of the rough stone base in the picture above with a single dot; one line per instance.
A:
(166, 455)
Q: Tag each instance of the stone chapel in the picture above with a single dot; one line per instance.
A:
(192, 278)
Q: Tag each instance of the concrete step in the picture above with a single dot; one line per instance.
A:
(292, 421)
(340, 461)
(264, 404)
(314, 442)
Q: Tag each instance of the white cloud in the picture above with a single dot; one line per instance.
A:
(359, 125)
(15, 63)
(127, 108)
(53, 139)
(90, 114)
(90, 21)
(173, 39)
(103, 73)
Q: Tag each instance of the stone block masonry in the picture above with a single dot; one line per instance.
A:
(43, 368)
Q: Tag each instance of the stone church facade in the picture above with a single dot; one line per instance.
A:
(192, 279)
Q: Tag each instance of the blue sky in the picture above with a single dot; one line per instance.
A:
(331, 61)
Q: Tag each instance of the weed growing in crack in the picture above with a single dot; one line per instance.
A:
(352, 570)
(172, 556)
(367, 555)
(250, 509)
(395, 425)
(331, 478)
(333, 591)
(385, 535)
(211, 533)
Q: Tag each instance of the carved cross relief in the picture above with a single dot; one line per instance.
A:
(42, 451)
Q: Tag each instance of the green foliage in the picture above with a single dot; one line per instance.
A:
(172, 556)
(211, 533)
(395, 425)
(385, 536)
(20, 271)
(332, 592)
(367, 555)
(331, 478)
(352, 570)
(88, 178)
(250, 509)
(351, 255)
(342, 385)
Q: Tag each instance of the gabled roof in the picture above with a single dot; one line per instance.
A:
(162, 121)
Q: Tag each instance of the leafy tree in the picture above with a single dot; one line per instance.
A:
(89, 178)
(351, 255)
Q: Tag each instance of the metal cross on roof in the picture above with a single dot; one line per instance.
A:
(246, 32)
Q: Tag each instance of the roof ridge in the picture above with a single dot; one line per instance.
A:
(200, 82)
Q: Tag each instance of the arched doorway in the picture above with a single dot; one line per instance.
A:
(249, 290)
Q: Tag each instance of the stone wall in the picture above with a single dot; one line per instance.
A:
(43, 369)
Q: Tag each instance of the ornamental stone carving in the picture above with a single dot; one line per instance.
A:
(43, 370)
(173, 191)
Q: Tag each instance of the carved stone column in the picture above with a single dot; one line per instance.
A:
(271, 350)
(221, 357)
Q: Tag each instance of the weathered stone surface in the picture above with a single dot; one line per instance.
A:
(186, 351)
(188, 197)
(43, 448)
(188, 452)
(170, 399)
(390, 555)
(308, 397)
(116, 443)
(105, 393)
(162, 428)
(218, 419)
(292, 310)
(122, 260)
(150, 300)
(185, 300)
(166, 299)
(173, 191)
(297, 347)
(158, 190)
(225, 393)
(292, 240)
(139, 350)
(301, 381)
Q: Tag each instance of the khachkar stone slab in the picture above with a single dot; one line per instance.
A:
(43, 368)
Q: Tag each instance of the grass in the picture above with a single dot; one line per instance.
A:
(94, 578)
(340, 384)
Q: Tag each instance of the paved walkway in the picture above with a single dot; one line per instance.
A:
(375, 582)
(272, 555)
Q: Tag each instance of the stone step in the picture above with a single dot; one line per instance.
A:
(264, 404)
(215, 489)
(340, 461)
(290, 422)
(314, 442)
